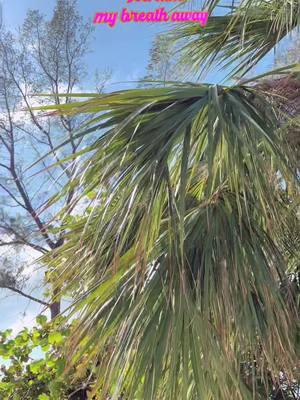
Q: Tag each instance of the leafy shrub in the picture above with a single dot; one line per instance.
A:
(33, 365)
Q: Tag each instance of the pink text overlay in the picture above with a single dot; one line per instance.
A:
(111, 18)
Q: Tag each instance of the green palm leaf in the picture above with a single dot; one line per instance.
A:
(238, 40)
(178, 253)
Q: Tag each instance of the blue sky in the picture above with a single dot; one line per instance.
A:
(124, 49)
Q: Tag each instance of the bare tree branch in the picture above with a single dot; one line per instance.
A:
(24, 243)
(12, 196)
(28, 296)
(4, 166)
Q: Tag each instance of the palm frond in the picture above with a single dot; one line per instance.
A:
(237, 41)
(178, 257)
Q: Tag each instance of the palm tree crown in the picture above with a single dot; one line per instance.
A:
(187, 290)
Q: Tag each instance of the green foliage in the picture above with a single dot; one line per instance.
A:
(239, 39)
(186, 285)
(183, 237)
(33, 364)
(163, 65)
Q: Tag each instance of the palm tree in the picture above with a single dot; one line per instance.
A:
(179, 272)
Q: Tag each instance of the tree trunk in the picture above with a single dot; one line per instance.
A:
(55, 305)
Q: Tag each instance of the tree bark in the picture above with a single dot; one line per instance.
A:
(55, 305)
(55, 309)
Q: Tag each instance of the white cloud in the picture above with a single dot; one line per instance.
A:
(27, 320)
(17, 311)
